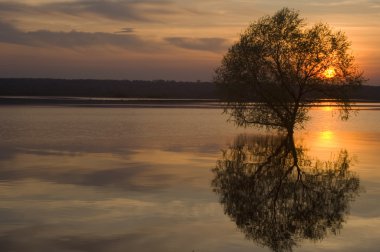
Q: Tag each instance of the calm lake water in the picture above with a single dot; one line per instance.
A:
(143, 179)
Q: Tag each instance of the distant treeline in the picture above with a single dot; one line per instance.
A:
(108, 88)
(129, 89)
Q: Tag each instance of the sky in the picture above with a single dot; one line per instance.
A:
(158, 39)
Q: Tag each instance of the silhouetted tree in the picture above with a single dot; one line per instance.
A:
(277, 196)
(285, 66)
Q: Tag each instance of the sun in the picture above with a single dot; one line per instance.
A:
(329, 72)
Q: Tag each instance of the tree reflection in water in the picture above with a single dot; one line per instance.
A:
(278, 196)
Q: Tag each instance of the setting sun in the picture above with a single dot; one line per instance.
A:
(329, 72)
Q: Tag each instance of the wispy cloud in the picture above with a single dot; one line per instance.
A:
(72, 39)
(124, 39)
(127, 30)
(143, 11)
(206, 44)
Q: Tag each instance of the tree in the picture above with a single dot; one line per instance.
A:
(278, 196)
(285, 67)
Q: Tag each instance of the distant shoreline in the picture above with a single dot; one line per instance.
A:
(43, 91)
(109, 102)
(103, 102)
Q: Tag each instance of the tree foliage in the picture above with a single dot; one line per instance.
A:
(285, 66)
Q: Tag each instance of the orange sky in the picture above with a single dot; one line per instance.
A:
(157, 39)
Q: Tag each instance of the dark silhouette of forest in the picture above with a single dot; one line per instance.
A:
(130, 89)
(107, 88)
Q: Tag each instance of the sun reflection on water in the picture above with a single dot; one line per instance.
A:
(327, 108)
(326, 135)
(324, 142)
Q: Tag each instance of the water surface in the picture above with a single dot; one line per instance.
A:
(140, 179)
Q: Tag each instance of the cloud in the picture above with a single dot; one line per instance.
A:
(204, 44)
(145, 11)
(123, 39)
(10, 34)
(72, 39)
(127, 30)
(80, 39)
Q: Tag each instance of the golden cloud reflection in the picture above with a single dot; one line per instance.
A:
(143, 169)
(162, 157)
